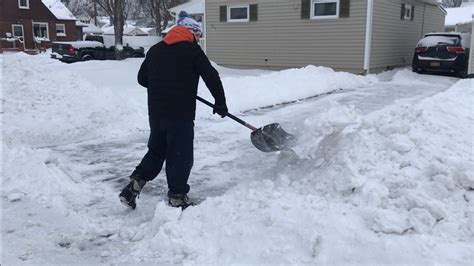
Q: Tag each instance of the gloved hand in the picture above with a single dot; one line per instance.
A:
(220, 109)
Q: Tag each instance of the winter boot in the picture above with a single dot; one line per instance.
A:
(179, 200)
(130, 193)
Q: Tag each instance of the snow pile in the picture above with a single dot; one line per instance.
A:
(42, 108)
(396, 182)
(284, 86)
(69, 107)
(405, 170)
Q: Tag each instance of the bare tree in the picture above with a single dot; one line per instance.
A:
(82, 7)
(115, 9)
(158, 10)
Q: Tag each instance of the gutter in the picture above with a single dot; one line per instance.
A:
(368, 36)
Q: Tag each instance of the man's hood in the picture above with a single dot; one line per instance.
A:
(178, 34)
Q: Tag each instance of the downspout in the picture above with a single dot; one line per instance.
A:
(368, 36)
(204, 20)
(423, 21)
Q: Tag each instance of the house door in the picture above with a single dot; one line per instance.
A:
(18, 33)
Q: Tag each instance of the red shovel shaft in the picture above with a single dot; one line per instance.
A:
(240, 121)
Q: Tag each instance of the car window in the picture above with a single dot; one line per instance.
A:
(434, 40)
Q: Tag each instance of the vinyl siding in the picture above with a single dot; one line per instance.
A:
(281, 39)
(393, 39)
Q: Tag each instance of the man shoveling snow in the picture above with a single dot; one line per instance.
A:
(170, 73)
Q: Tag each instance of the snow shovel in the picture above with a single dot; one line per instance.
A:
(267, 138)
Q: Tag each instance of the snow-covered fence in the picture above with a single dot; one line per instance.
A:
(12, 43)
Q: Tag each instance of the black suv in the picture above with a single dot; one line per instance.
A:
(443, 52)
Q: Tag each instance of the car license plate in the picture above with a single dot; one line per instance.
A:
(435, 64)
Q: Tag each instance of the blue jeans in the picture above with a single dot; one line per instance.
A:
(170, 140)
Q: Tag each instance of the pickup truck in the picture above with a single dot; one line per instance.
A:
(92, 48)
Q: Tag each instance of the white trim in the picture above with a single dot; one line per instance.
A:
(22, 30)
(64, 27)
(408, 7)
(41, 23)
(238, 20)
(314, 2)
(24, 7)
(368, 35)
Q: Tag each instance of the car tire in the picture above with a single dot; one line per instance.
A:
(87, 57)
(418, 70)
(463, 73)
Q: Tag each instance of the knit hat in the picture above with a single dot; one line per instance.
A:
(191, 24)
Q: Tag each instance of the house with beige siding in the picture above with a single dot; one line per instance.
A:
(359, 36)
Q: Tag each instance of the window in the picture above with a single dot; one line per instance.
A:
(322, 9)
(24, 4)
(40, 30)
(408, 10)
(238, 14)
(17, 30)
(60, 30)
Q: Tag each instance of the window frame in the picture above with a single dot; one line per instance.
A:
(313, 5)
(64, 30)
(24, 7)
(408, 7)
(229, 19)
(47, 29)
(22, 31)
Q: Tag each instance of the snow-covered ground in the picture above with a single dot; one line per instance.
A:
(382, 171)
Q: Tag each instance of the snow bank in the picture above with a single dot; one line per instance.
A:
(407, 169)
(361, 181)
(397, 182)
(244, 93)
(58, 105)
(45, 104)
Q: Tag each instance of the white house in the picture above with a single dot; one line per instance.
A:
(196, 10)
(461, 19)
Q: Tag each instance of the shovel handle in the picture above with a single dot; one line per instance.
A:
(235, 118)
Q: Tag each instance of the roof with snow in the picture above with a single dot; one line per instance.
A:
(192, 7)
(59, 10)
(93, 29)
(81, 24)
(459, 15)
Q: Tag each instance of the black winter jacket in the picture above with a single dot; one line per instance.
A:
(171, 75)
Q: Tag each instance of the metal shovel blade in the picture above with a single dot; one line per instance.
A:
(272, 138)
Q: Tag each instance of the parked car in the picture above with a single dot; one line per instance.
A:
(92, 48)
(443, 52)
